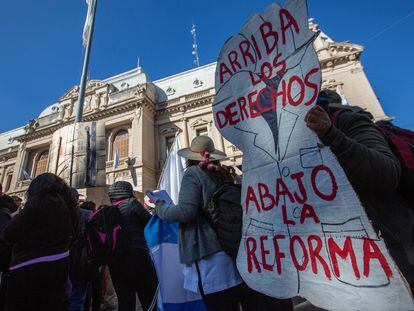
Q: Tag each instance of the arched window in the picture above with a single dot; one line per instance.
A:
(41, 164)
(121, 143)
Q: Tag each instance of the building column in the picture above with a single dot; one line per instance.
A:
(49, 156)
(130, 145)
(219, 138)
(19, 166)
(136, 135)
(110, 141)
(3, 171)
(185, 132)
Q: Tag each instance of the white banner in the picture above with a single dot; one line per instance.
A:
(304, 230)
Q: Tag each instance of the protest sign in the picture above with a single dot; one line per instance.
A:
(305, 231)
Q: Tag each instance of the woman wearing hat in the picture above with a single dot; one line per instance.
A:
(209, 270)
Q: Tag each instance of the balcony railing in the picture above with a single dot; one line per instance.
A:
(121, 164)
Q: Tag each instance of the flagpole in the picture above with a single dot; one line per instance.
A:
(82, 85)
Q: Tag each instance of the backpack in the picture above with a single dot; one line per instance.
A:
(105, 235)
(78, 258)
(225, 213)
(401, 142)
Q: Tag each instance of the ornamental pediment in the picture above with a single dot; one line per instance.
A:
(94, 84)
(73, 92)
(199, 122)
(341, 50)
(345, 48)
(91, 86)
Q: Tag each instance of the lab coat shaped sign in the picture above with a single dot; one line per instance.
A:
(305, 231)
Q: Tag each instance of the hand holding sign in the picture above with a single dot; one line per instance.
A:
(318, 121)
(304, 230)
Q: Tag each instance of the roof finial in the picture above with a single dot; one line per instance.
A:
(195, 50)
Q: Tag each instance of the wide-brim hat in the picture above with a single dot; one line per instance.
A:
(199, 145)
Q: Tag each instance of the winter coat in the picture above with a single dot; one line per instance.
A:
(134, 215)
(374, 173)
(197, 239)
(42, 228)
(7, 207)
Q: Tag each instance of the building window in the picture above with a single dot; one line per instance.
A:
(169, 141)
(121, 143)
(8, 182)
(202, 131)
(41, 164)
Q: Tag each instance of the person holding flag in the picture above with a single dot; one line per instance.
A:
(208, 269)
(162, 240)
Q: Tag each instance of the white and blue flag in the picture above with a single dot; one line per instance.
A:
(116, 158)
(162, 239)
(26, 175)
(88, 22)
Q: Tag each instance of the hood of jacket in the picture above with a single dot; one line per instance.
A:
(7, 203)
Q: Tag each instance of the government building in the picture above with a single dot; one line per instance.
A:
(142, 118)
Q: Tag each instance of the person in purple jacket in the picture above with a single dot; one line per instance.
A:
(41, 235)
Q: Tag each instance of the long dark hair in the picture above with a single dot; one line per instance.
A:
(49, 185)
(88, 205)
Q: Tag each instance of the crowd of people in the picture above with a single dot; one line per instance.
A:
(46, 263)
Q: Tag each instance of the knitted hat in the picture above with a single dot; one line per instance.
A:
(120, 190)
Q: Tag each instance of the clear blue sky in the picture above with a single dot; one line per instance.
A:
(41, 50)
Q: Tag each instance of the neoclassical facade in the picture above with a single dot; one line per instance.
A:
(142, 118)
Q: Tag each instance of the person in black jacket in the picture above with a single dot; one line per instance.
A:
(41, 234)
(7, 208)
(373, 170)
(134, 273)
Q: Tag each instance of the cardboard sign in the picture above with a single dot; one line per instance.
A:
(304, 229)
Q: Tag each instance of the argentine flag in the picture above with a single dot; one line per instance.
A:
(116, 159)
(162, 239)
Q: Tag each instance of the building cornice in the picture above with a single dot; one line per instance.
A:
(186, 102)
(9, 154)
(186, 106)
(127, 105)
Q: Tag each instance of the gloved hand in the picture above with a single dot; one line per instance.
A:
(160, 197)
(317, 119)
